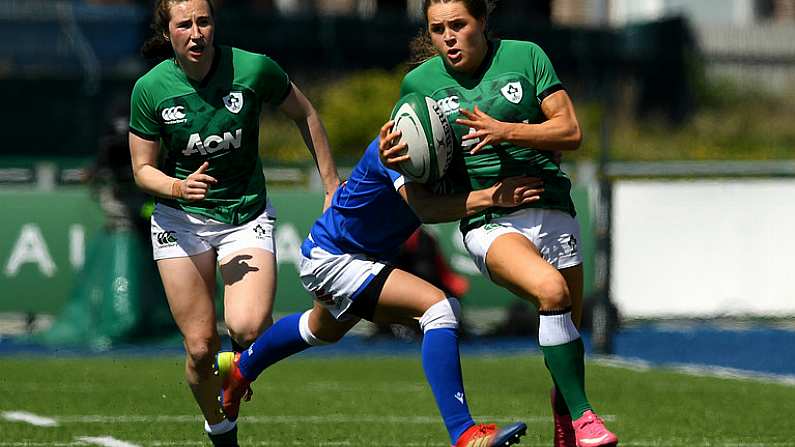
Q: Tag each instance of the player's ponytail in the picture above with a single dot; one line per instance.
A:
(157, 47)
(421, 48)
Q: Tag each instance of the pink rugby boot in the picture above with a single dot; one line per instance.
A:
(590, 431)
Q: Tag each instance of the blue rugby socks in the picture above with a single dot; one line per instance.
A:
(280, 341)
(442, 365)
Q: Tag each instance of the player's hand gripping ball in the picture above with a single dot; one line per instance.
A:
(428, 136)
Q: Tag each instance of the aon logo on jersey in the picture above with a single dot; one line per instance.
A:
(213, 143)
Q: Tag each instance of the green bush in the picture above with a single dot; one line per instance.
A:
(728, 124)
(353, 109)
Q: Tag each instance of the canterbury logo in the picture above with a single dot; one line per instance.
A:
(173, 115)
(166, 237)
(449, 105)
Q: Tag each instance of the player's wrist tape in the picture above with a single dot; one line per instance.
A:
(175, 189)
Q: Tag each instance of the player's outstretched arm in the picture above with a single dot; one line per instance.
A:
(435, 208)
(298, 108)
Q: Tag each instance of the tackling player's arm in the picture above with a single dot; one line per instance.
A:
(152, 180)
(298, 108)
(560, 132)
(435, 208)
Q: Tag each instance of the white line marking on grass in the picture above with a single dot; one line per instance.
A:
(128, 419)
(39, 444)
(696, 370)
(30, 418)
(105, 441)
(303, 419)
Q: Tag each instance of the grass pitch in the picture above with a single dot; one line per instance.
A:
(366, 401)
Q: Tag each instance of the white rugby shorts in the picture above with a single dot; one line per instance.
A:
(554, 233)
(336, 280)
(177, 234)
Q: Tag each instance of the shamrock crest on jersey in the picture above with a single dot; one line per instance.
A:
(234, 101)
(512, 92)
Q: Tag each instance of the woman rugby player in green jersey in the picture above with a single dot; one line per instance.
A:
(510, 114)
(194, 131)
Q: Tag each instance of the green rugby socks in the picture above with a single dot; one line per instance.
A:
(564, 356)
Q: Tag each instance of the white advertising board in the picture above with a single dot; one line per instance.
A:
(704, 248)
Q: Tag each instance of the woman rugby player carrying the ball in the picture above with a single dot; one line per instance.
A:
(510, 114)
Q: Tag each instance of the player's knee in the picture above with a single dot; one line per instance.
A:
(317, 337)
(327, 337)
(201, 352)
(444, 314)
(553, 293)
(246, 332)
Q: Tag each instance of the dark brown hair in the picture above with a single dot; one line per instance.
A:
(157, 47)
(421, 47)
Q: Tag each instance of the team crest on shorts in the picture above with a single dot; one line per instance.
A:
(512, 91)
(570, 243)
(234, 101)
(262, 232)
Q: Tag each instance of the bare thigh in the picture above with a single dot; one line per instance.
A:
(189, 283)
(404, 298)
(249, 288)
(515, 263)
(327, 328)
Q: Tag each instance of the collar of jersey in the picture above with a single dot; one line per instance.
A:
(210, 73)
(471, 80)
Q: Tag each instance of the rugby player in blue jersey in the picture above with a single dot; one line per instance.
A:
(345, 265)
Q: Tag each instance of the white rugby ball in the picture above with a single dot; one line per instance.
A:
(428, 137)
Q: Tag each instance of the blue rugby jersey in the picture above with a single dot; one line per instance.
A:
(367, 215)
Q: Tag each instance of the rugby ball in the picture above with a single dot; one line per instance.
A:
(428, 137)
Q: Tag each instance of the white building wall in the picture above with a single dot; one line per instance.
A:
(700, 12)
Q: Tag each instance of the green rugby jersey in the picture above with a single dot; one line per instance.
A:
(214, 120)
(510, 85)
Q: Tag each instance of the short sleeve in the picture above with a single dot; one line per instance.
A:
(398, 179)
(406, 86)
(546, 80)
(374, 161)
(273, 83)
(143, 119)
